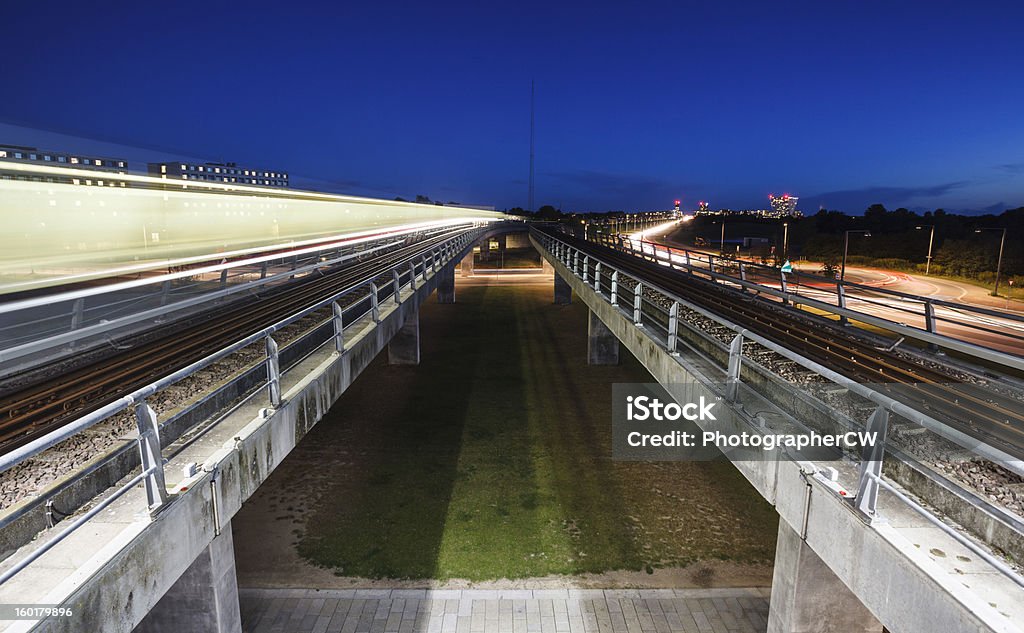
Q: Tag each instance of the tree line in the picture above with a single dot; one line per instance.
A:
(964, 245)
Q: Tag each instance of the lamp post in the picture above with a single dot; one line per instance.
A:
(931, 241)
(721, 246)
(999, 262)
(846, 248)
(785, 240)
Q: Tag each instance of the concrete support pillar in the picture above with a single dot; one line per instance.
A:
(807, 596)
(467, 265)
(602, 346)
(563, 291)
(205, 598)
(404, 348)
(446, 284)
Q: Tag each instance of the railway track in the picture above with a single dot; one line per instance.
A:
(31, 411)
(988, 416)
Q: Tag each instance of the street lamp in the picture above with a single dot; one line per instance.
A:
(999, 262)
(785, 239)
(931, 241)
(721, 246)
(846, 248)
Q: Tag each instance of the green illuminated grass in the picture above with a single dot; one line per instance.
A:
(492, 460)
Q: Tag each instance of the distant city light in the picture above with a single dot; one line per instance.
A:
(784, 205)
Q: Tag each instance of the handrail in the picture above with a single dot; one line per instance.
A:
(959, 538)
(899, 408)
(35, 346)
(38, 445)
(77, 523)
(901, 329)
(774, 271)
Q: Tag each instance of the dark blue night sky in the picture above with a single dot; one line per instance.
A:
(915, 104)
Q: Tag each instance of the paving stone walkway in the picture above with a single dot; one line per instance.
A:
(504, 611)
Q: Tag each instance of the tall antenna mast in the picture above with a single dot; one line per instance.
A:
(530, 204)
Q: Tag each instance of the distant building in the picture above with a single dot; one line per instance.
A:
(229, 173)
(784, 206)
(783, 209)
(703, 208)
(106, 168)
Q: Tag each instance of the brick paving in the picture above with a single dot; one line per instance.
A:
(504, 611)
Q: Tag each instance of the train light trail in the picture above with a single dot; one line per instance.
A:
(58, 231)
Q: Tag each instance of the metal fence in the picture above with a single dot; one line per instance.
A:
(928, 319)
(46, 327)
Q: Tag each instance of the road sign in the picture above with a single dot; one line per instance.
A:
(787, 267)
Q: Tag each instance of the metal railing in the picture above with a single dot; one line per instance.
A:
(656, 311)
(362, 299)
(841, 298)
(47, 326)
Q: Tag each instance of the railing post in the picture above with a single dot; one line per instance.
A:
(784, 287)
(930, 323)
(841, 301)
(263, 270)
(339, 326)
(586, 272)
(929, 316)
(224, 278)
(149, 452)
(374, 305)
(77, 313)
(871, 459)
(398, 295)
(576, 262)
(638, 298)
(743, 275)
(615, 288)
(412, 276)
(165, 292)
(735, 364)
(597, 278)
(673, 325)
(273, 372)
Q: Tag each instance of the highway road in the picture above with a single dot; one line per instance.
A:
(945, 289)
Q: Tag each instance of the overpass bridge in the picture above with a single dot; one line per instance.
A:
(856, 547)
(147, 543)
